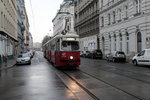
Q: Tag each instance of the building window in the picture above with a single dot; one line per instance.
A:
(114, 16)
(2, 20)
(103, 44)
(120, 42)
(126, 11)
(101, 3)
(137, 6)
(115, 40)
(102, 21)
(139, 41)
(109, 43)
(127, 42)
(108, 19)
(119, 14)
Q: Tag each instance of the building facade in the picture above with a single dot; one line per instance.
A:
(64, 19)
(8, 28)
(124, 25)
(37, 46)
(26, 33)
(30, 41)
(87, 23)
(20, 24)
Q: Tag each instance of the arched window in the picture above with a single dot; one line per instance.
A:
(103, 44)
(109, 43)
(120, 36)
(127, 42)
(139, 42)
(115, 40)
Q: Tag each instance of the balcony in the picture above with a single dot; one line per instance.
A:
(22, 27)
(87, 18)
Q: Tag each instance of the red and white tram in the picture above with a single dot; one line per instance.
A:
(63, 50)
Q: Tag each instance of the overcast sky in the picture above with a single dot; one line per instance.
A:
(40, 14)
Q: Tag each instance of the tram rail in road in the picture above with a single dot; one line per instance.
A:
(79, 90)
(138, 98)
(66, 78)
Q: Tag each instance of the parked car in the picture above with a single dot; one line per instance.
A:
(143, 58)
(116, 56)
(87, 54)
(96, 54)
(30, 53)
(23, 59)
(81, 53)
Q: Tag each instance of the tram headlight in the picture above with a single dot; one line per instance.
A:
(71, 57)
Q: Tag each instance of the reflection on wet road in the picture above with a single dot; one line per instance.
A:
(94, 80)
(35, 82)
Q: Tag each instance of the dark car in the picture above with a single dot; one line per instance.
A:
(96, 54)
(116, 56)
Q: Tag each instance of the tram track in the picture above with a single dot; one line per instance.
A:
(85, 89)
(93, 95)
(125, 75)
(96, 97)
(119, 71)
(112, 85)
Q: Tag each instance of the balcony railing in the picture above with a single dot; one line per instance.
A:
(94, 14)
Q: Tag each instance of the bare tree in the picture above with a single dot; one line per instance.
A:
(45, 39)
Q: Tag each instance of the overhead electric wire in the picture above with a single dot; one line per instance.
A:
(32, 16)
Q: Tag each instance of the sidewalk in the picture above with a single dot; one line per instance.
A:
(10, 63)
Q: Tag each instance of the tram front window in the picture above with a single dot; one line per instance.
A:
(70, 45)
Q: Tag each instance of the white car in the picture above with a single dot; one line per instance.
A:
(143, 58)
(23, 59)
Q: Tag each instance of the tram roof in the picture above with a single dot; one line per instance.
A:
(63, 36)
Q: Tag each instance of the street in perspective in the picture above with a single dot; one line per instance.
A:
(75, 50)
(94, 80)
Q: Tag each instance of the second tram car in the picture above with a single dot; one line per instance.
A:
(63, 50)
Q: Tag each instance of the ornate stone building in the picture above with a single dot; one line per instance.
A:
(8, 28)
(87, 23)
(20, 24)
(64, 19)
(124, 25)
(26, 33)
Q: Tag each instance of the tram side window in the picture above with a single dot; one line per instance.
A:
(58, 45)
(49, 47)
(53, 47)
